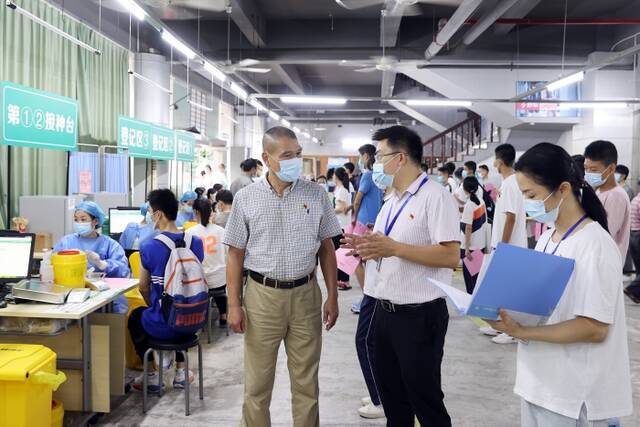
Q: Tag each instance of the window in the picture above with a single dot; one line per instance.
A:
(198, 114)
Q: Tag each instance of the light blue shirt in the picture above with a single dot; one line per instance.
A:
(183, 217)
(135, 231)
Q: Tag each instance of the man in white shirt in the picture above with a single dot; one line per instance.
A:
(416, 237)
(509, 220)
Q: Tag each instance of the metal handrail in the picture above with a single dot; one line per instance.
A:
(456, 141)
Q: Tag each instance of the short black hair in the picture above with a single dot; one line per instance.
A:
(276, 132)
(623, 170)
(458, 173)
(350, 167)
(217, 187)
(248, 165)
(165, 201)
(402, 138)
(471, 165)
(424, 167)
(506, 153)
(225, 196)
(444, 169)
(451, 166)
(199, 191)
(602, 151)
(485, 167)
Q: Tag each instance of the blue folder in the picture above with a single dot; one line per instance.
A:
(521, 280)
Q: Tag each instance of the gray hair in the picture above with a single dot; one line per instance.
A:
(270, 138)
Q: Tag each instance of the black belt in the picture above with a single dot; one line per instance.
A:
(390, 307)
(280, 284)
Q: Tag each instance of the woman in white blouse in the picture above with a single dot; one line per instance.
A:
(574, 370)
(343, 207)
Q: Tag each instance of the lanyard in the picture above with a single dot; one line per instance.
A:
(569, 231)
(388, 227)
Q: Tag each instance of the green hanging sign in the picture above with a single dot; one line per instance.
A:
(135, 136)
(37, 119)
(185, 146)
(148, 141)
(163, 145)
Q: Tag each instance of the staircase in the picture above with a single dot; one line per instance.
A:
(459, 141)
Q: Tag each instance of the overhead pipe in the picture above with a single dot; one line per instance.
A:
(560, 21)
(459, 17)
(488, 20)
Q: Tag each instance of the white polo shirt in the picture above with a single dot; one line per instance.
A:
(429, 218)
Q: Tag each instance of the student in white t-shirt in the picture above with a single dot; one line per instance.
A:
(342, 200)
(472, 225)
(509, 219)
(468, 170)
(215, 255)
(445, 179)
(574, 370)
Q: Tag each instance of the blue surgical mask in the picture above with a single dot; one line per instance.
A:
(594, 179)
(290, 170)
(381, 179)
(465, 174)
(618, 178)
(148, 218)
(361, 164)
(536, 210)
(188, 209)
(440, 179)
(82, 228)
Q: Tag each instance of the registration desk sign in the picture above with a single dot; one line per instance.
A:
(149, 141)
(37, 119)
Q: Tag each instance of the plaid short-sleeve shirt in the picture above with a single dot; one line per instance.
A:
(281, 235)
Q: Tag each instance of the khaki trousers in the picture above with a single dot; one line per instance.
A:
(274, 315)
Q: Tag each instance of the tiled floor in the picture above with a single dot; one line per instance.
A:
(478, 380)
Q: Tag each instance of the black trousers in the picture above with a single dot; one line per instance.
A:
(219, 296)
(140, 337)
(634, 249)
(342, 276)
(409, 350)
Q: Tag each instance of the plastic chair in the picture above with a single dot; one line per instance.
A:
(135, 263)
(182, 345)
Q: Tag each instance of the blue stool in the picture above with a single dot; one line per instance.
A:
(182, 345)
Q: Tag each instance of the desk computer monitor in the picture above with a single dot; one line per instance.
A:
(16, 255)
(119, 218)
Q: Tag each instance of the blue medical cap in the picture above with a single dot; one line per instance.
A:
(92, 209)
(144, 209)
(188, 195)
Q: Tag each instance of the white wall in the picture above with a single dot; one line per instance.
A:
(333, 135)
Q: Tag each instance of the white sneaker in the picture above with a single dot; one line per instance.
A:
(366, 401)
(180, 381)
(371, 411)
(503, 339)
(152, 383)
(489, 331)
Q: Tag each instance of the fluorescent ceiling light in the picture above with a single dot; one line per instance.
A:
(195, 104)
(306, 134)
(319, 129)
(274, 116)
(134, 9)
(286, 123)
(257, 105)
(215, 72)
(314, 139)
(51, 27)
(173, 41)
(313, 100)
(354, 143)
(296, 129)
(592, 105)
(149, 81)
(238, 90)
(438, 103)
(565, 81)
